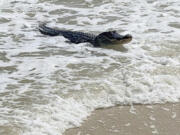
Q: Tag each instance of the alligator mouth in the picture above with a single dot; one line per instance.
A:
(127, 36)
(123, 40)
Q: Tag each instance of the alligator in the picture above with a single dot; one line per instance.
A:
(104, 38)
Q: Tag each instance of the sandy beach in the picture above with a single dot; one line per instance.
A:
(137, 120)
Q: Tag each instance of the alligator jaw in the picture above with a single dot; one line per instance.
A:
(124, 40)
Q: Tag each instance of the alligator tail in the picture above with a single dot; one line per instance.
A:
(48, 31)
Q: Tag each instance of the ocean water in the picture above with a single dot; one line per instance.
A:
(48, 85)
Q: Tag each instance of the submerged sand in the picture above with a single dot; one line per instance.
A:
(127, 120)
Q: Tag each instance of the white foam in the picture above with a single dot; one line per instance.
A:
(4, 3)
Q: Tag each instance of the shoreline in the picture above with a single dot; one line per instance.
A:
(158, 119)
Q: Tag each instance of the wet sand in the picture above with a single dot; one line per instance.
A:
(137, 120)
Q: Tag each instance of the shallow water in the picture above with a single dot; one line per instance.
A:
(48, 85)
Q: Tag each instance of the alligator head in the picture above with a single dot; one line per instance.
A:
(112, 38)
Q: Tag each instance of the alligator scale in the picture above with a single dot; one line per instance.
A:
(105, 38)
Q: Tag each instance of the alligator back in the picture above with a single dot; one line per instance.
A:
(72, 36)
